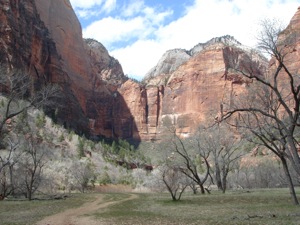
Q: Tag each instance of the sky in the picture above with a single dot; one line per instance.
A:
(139, 32)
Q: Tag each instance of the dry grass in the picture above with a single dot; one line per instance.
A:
(237, 207)
(19, 212)
(254, 207)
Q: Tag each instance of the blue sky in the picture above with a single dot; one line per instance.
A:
(138, 32)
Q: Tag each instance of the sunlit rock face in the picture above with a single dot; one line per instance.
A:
(186, 89)
(27, 43)
(45, 38)
(289, 39)
(168, 63)
(94, 74)
(200, 87)
(104, 67)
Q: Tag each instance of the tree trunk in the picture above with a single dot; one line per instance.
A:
(11, 180)
(290, 181)
(224, 183)
(29, 194)
(30, 187)
(295, 160)
(218, 176)
(3, 184)
(224, 178)
(202, 188)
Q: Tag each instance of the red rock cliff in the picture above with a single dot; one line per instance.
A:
(45, 38)
(194, 92)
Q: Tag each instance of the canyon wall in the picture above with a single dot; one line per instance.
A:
(198, 90)
(44, 39)
(187, 88)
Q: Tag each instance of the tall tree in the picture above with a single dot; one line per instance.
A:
(21, 94)
(270, 110)
(224, 148)
(193, 160)
(31, 165)
(174, 180)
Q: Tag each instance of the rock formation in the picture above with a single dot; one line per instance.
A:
(168, 63)
(185, 89)
(27, 44)
(289, 40)
(196, 91)
(104, 67)
(44, 38)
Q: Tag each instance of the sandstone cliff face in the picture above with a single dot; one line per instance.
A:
(104, 67)
(172, 59)
(45, 38)
(198, 89)
(26, 43)
(290, 41)
(185, 89)
(95, 76)
(201, 87)
(168, 63)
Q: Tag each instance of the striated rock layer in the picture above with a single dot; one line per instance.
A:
(45, 38)
(185, 89)
(290, 41)
(199, 89)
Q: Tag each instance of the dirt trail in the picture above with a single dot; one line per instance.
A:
(79, 216)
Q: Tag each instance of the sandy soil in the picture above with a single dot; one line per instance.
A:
(80, 216)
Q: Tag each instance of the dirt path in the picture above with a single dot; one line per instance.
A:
(79, 216)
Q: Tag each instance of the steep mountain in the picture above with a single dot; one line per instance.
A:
(168, 63)
(188, 91)
(186, 88)
(44, 38)
(174, 58)
(289, 41)
(105, 67)
(27, 44)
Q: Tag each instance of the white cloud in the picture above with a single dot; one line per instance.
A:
(204, 20)
(132, 8)
(89, 8)
(85, 4)
(86, 13)
(110, 30)
(138, 57)
(109, 5)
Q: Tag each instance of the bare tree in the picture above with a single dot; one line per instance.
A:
(224, 148)
(8, 159)
(18, 93)
(21, 93)
(174, 180)
(5, 159)
(193, 160)
(31, 165)
(82, 173)
(270, 111)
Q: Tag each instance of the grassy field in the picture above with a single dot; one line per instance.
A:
(237, 207)
(19, 212)
(254, 207)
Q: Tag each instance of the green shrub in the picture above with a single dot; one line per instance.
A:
(70, 135)
(80, 147)
(61, 138)
(40, 120)
(105, 179)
